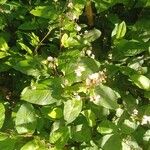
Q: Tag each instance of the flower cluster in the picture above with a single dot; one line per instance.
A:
(52, 62)
(95, 79)
(79, 71)
(89, 53)
(95, 98)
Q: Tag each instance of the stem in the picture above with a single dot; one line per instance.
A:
(39, 45)
(89, 13)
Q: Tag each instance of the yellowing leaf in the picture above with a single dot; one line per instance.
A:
(56, 113)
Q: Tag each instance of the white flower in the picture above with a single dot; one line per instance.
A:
(135, 112)
(94, 76)
(95, 98)
(79, 70)
(78, 28)
(50, 58)
(77, 97)
(145, 120)
(70, 5)
(93, 56)
(88, 52)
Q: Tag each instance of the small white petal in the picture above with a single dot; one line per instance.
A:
(145, 120)
(88, 52)
(50, 58)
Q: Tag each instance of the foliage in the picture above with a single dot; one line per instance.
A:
(67, 83)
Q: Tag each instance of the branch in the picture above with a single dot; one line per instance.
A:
(39, 45)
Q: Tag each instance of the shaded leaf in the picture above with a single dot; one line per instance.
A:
(7, 144)
(111, 142)
(127, 48)
(81, 133)
(92, 35)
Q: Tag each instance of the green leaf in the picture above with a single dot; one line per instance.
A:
(119, 30)
(25, 122)
(127, 48)
(7, 144)
(29, 25)
(128, 126)
(3, 1)
(147, 94)
(146, 136)
(81, 133)
(59, 137)
(111, 142)
(42, 94)
(71, 61)
(56, 113)
(69, 41)
(34, 145)
(141, 81)
(129, 143)
(25, 47)
(31, 66)
(2, 114)
(90, 117)
(3, 136)
(72, 109)
(107, 97)
(104, 4)
(3, 48)
(107, 127)
(92, 35)
(48, 12)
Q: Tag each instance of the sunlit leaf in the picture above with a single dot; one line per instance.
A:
(72, 109)
(107, 97)
(3, 48)
(119, 30)
(59, 137)
(34, 145)
(48, 12)
(141, 81)
(56, 113)
(26, 119)
(2, 114)
(90, 117)
(128, 126)
(43, 94)
(107, 127)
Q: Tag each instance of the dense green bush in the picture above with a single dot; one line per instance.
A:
(74, 75)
